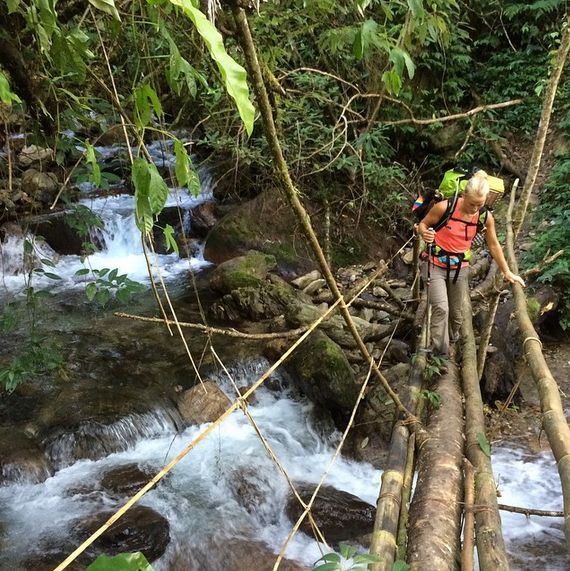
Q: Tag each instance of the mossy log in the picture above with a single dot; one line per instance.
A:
(389, 505)
(489, 535)
(435, 512)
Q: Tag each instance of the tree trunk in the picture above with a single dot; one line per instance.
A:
(553, 419)
(292, 195)
(489, 535)
(543, 127)
(434, 529)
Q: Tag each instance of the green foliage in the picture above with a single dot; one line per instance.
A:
(233, 74)
(400, 566)
(484, 444)
(123, 562)
(6, 95)
(151, 193)
(107, 285)
(433, 397)
(551, 232)
(347, 560)
(435, 366)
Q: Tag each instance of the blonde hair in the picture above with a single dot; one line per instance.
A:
(478, 185)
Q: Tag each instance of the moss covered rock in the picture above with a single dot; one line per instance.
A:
(244, 271)
(323, 373)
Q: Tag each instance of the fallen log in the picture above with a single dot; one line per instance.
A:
(434, 529)
(488, 532)
(389, 505)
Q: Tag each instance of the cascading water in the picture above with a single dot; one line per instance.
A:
(207, 517)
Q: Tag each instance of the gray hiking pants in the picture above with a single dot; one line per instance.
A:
(445, 298)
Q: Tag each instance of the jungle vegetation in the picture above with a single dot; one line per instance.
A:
(356, 87)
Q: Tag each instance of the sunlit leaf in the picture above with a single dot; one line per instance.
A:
(6, 95)
(169, 238)
(107, 6)
(484, 444)
(234, 75)
(91, 290)
(416, 8)
(123, 562)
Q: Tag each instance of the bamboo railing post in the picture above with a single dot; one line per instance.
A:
(553, 418)
(469, 519)
(488, 532)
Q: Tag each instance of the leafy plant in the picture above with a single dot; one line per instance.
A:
(433, 397)
(347, 560)
(108, 284)
(123, 562)
(435, 366)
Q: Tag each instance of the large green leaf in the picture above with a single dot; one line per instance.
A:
(146, 100)
(151, 193)
(6, 95)
(107, 6)
(234, 75)
(123, 562)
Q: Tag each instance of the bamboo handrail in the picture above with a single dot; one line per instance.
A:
(553, 419)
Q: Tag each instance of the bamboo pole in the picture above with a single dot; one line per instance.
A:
(402, 538)
(469, 519)
(489, 536)
(553, 419)
(292, 195)
(434, 529)
(389, 504)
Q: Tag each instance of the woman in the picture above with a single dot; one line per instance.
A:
(449, 249)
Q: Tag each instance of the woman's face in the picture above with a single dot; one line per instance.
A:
(472, 204)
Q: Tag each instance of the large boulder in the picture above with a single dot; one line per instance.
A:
(204, 402)
(243, 271)
(340, 516)
(42, 186)
(266, 224)
(321, 370)
(21, 459)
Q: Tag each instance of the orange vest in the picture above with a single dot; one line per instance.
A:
(456, 236)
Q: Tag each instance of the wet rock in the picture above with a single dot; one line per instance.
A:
(303, 281)
(248, 487)
(223, 554)
(244, 271)
(126, 480)
(21, 459)
(42, 186)
(376, 413)
(98, 420)
(35, 155)
(140, 529)
(203, 219)
(340, 516)
(56, 231)
(321, 371)
(204, 402)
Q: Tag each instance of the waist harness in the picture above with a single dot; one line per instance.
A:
(454, 260)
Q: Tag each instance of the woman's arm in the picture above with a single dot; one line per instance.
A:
(497, 252)
(425, 229)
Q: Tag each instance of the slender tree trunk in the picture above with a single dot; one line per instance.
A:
(543, 127)
(434, 529)
(489, 535)
(292, 195)
(469, 519)
(553, 419)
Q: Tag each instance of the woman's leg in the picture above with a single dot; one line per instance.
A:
(439, 311)
(455, 294)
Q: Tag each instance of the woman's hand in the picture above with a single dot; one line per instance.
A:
(513, 278)
(427, 234)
